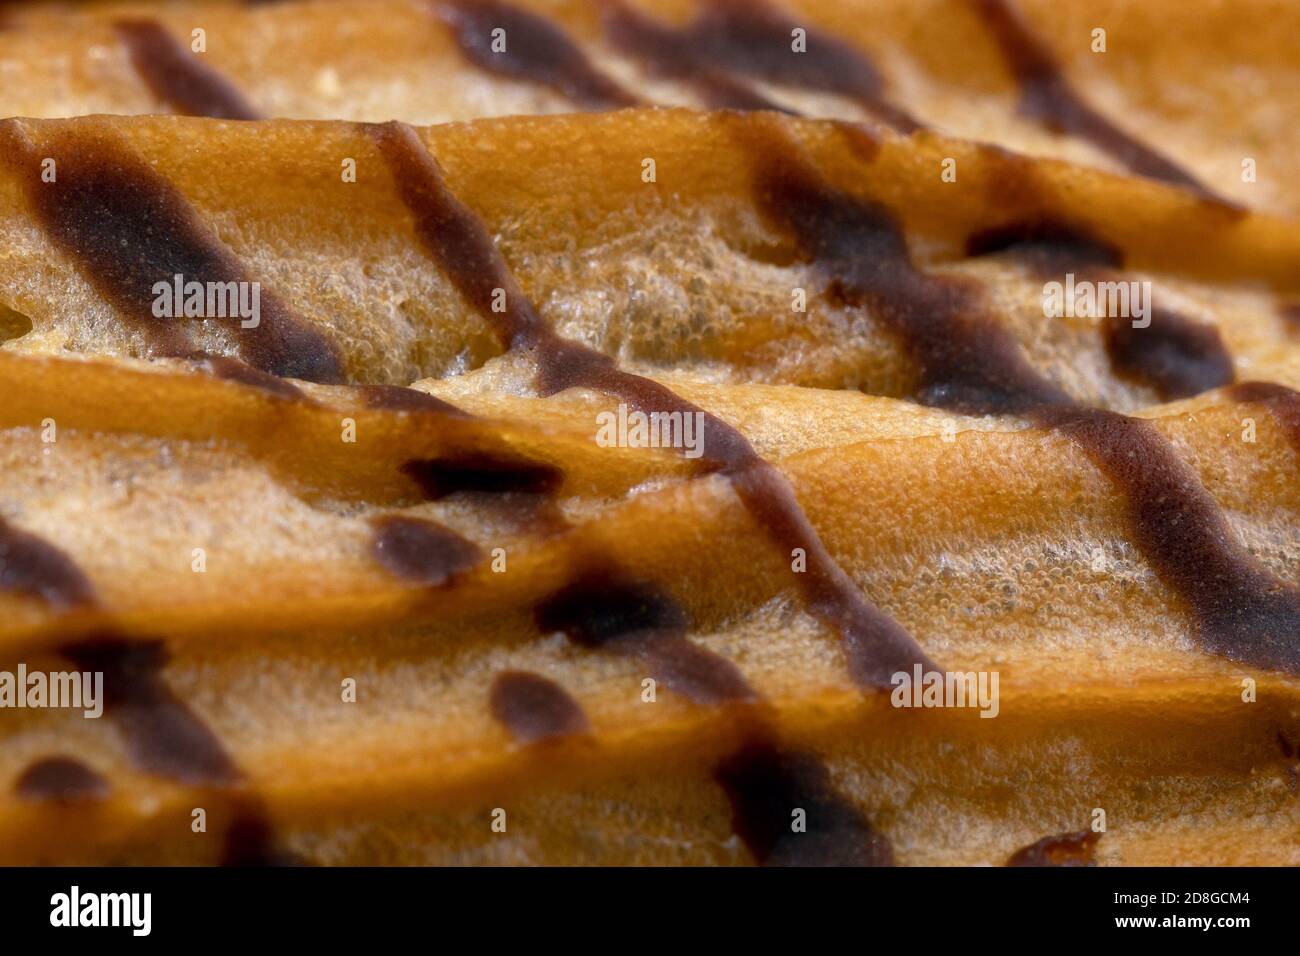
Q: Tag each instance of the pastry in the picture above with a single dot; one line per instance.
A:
(379, 565)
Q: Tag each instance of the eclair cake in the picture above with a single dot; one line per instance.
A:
(375, 568)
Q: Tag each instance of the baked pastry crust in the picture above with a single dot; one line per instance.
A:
(916, 471)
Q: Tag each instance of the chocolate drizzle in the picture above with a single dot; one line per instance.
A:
(32, 566)
(1175, 356)
(128, 228)
(876, 646)
(1066, 849)
(420, 551)
(1282, 403)
(533, 708)
(178, 77)
(1238, 609)
(967, 362)
(604, 609)
(767, 785)
(1048, 98)
(60, 780)
(490, 472)
(752, 39)
(233, 370)
(397, 398)
(161, 733)
(536, 51)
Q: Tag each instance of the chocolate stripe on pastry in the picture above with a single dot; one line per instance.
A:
(1175, 356)
(128, 229)
(1067, 849)
(533, 708)
(753, 39)
(233, 370)
(30, 565)
(398, 398)
(536, 51)
(1282, 403)
(766, 785)
(161, 733)
(672, 54)
(165, 737)
(60, 780)
(491, 472)
(966, 361)
(876, 646)
(1239, 610)
(602, 609)
(179, 77)
(1047, 98)
(420, 551)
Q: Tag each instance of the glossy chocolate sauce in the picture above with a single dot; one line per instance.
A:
(534, 708)
(1047, 98)
(60, 780)
(32, 566)
(536, 51)
(1067, 849)
(420, 551)
(128, 228)
(1174, 355)
(767, 785)
(179, 78)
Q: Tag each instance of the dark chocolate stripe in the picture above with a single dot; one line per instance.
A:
(1174, 355)
(533, 708)
(397, 398)
(876, 646)
(751, 38)
(161, 733)
(420, 551)
(767, 785)
(1047, 98)
(1067, 849)
(128, 228)
(670, 53)
(30, 565)
(233, 370)
(970, 363)
(536, 51)
(964, 360)
(177, 76)
(1282, 403)
(604, 609)
(491, 472)
(1238, 609)
(60, 780)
